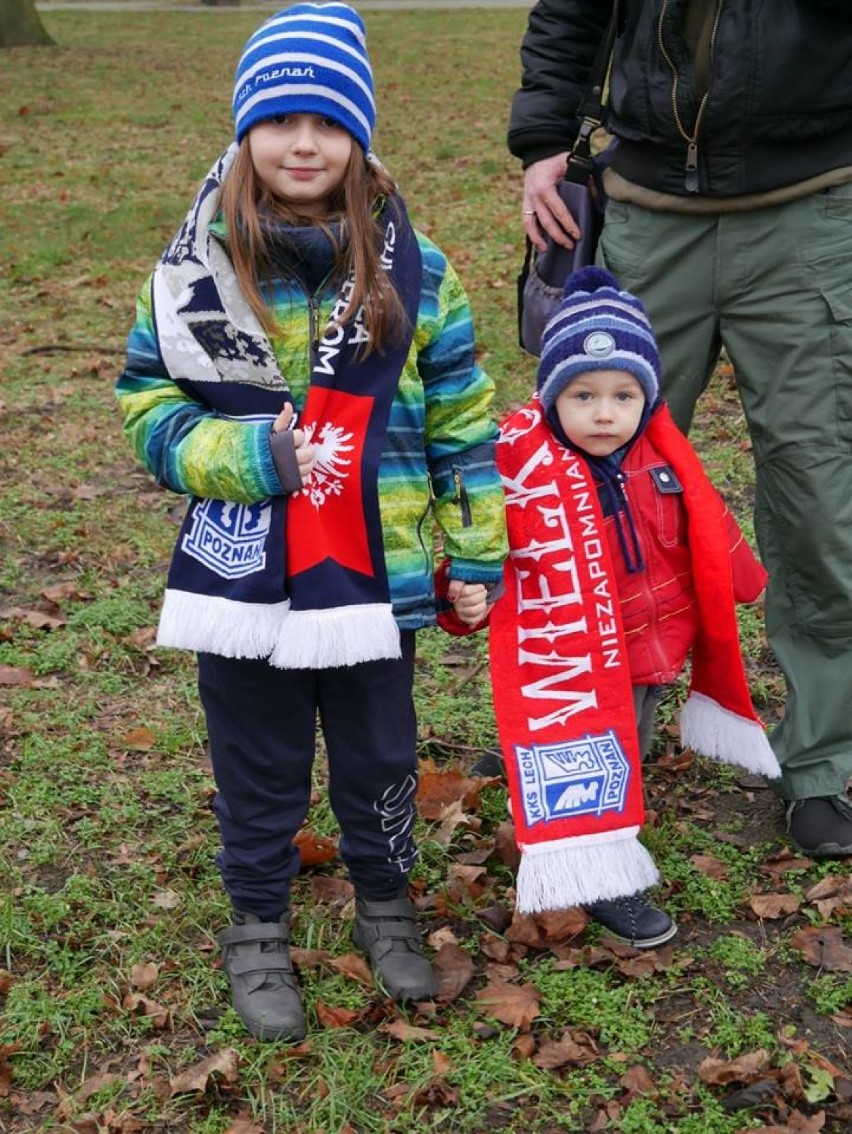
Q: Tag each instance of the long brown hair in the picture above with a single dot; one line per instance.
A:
(247, 203)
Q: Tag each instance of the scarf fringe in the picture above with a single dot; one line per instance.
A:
(343, 635)
(290, 639)
(214, 625)
(588, 868)
(711, 730)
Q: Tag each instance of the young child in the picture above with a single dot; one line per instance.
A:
(623, 561)
(302, 365)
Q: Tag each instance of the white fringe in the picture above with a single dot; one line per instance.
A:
(588, 868)
(214, 625)
(343, 635)
(711, 730)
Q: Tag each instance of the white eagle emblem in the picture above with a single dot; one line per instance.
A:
(329, 471)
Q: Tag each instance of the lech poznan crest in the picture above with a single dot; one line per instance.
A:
(578, 777)
(229, 538)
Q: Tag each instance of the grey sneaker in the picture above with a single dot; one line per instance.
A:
(821, 827)
(387, 933)
(634, 920)
(256, 957)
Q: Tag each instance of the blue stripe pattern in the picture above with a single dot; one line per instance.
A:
(307, 59)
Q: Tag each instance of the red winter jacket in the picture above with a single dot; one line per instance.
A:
(658, 608)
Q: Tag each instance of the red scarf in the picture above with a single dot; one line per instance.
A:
(559, 669)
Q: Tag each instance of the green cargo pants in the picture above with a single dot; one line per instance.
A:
(774, 286)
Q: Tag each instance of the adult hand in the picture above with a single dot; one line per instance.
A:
(544, 210)
(469, 601)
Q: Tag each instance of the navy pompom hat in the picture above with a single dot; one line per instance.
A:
(597, 326)
(307, 59)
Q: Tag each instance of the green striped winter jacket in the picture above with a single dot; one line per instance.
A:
(437, 467)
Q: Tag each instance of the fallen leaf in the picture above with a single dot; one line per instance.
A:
(6, 1049)
(512, 1004)
(452, 816)
(438, 790)
(331, 1016)
(166, 899)
(158, 1016)
(562, 925)
(637, 1081)
(719, 1072)
(567, 1050)
(466, 882)
(709, 866)
(436, 1093)
(332, 890)
(309, 958)
(524, 1046)
(139, 739)
(454, 969)
(314, 849)
(823, 947)
(772, 906)
(401, 1030)
(441, 1063)
(16, 675)
(243, 1126)
(38, 619)
(222, 1066)
(354, 966)
(507, 847)
(144, 975)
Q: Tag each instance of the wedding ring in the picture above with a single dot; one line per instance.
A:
(529, 212)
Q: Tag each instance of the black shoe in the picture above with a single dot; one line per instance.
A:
(821, 827)
(489, 764)
(634, 920)
(256, 957)
(387, 933)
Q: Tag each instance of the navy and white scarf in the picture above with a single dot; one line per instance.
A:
(300, 580)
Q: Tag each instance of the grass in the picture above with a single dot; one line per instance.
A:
(114, 1013)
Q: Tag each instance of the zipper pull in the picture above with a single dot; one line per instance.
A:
(692, 167)
(461, 499)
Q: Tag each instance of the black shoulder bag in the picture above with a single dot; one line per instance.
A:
(543, 274)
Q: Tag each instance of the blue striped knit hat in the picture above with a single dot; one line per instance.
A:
(307, 59)
(597, 327)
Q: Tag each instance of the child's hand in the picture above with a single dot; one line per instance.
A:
(469, 601)
(305, 454)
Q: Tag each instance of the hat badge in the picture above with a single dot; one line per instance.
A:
(599, 344)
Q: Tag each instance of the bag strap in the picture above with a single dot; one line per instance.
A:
(591, 109)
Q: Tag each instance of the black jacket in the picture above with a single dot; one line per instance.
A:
(778, 108)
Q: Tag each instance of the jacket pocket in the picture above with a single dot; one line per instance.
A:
(839, 301)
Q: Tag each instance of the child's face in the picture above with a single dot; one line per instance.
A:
(600, 410)
(301, 158)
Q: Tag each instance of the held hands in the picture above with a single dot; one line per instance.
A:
(543, 209)
(469, 601)
(305, 454)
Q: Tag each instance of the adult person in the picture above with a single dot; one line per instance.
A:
(730, 216)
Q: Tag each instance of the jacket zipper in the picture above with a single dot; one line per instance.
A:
(691, 168)
(427, 555)
(461, 498)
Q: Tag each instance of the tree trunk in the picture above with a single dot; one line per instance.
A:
(20, 25)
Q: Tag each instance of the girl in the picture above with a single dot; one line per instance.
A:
(302, 365)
